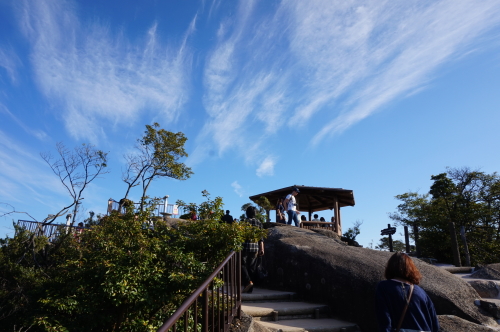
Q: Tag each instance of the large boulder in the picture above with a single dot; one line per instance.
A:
(320, 268)
(485, 288)
(490, 271)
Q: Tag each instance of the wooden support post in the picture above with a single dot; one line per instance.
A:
(466, 247)
(336, 215)
(454, 245)
(407, 240)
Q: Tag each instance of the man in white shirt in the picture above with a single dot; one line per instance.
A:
(315, 218)
(291, 205)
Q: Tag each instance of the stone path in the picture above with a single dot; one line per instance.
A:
(278, 311)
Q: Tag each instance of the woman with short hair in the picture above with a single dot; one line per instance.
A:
(401, 304)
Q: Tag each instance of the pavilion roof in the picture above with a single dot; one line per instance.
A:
(312, 198)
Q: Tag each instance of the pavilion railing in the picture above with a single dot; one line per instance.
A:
(211, 308)
(317, 224)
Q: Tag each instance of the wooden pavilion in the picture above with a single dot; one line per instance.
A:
(312, 199)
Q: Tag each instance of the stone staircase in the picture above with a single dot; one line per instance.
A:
(277, 311)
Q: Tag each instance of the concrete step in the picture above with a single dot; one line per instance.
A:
(285, 310)
(262, 295)
(312, 325)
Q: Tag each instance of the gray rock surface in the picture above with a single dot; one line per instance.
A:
(450, 323)
(491, 306)
(485, 288)
(490, 271)
(321, 269)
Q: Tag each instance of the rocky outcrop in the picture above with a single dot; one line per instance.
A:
(485, 288)
(320, 268)
(490, 271)
(456, 324)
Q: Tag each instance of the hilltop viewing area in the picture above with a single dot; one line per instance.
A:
(313, 199)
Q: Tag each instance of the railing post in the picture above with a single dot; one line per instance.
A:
(238, 283)
(204, 314)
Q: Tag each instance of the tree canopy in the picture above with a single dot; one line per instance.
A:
(468, 198)
(157, 155)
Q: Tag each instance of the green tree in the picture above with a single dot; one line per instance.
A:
(470, 199)
(396, 245)
(157, 155)
(351, 234)
(264, 205)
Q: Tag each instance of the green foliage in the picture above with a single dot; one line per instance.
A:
(128, 273)
(396, 245)
(468, 198)
(158, 154)
(354, 231)
(209, 209)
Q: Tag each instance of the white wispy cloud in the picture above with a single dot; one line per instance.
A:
(333, 60)
(25, 177)
(97, 76)
(39, 134)
(9, 61)
(238, 189)
(266, 167)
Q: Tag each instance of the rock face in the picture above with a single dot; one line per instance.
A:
(319, 267)
(490, 271)
(485, 288)
(456, 324)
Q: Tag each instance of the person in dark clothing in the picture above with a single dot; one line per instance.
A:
(280, 211)
(401, 288)
(227, 218)
(250, 252)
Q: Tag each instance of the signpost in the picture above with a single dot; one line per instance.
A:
(389, 231)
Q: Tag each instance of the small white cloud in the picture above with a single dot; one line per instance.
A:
(238, 189)
(266, 167)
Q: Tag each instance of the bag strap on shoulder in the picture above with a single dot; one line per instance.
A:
(405, 308)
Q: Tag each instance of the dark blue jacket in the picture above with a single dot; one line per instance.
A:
(390, 302)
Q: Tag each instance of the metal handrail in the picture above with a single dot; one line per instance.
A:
(219, 305)
(159, 208)
(51, 231)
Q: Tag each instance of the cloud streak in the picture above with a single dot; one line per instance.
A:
(96, 75)
(331, 60)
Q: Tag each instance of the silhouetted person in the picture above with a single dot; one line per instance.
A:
(227, 218)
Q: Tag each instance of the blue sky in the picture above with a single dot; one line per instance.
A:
(373, 96)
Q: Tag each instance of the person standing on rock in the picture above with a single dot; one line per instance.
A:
(402, 305)
(291, 205)
(250, 252)
(280, 211)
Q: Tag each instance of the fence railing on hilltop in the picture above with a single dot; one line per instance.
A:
(160, 209)
(51, 231)
(211, 308)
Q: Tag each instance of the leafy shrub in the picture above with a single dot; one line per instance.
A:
(129, 273)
